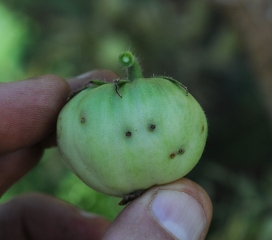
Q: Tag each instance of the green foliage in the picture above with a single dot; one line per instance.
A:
(187, 40)
(14, 38)
(79, 194)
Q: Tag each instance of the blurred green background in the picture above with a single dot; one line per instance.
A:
(191, 42)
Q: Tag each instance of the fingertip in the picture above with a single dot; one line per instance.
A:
(55, 89)
(59, 83)
(190, 208)
(178, 210)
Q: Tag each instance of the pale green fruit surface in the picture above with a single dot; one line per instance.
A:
(153, 135)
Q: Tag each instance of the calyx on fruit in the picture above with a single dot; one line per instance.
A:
(131, 134)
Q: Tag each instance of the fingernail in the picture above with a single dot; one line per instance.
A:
(179, 213)
(85, 75)
(87, 214)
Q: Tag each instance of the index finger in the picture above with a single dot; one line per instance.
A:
(29, 110)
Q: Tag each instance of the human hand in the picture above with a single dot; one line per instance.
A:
(29, 111)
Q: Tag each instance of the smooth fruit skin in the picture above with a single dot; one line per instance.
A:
(153, 135)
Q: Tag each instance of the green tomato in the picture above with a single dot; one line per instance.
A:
(133, 134)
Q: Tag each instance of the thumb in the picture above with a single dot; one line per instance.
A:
(179, 210)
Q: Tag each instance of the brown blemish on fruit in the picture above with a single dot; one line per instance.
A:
(128, 134)
(172, 155)
(83, 120)
(203, 128)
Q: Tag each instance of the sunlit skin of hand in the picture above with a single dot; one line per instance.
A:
(29, 111)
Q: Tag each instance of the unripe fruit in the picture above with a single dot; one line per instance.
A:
(131, 134)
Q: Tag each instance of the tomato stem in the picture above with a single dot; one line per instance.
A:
(129, 61)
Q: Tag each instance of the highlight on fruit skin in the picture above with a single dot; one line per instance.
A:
(153, 134)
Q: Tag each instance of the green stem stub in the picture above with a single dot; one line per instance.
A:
(128, 61)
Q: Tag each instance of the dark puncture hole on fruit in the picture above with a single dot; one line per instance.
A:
(128, 134)
(83, 120)
(172, 155)
(152, 127)
(180, 151)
